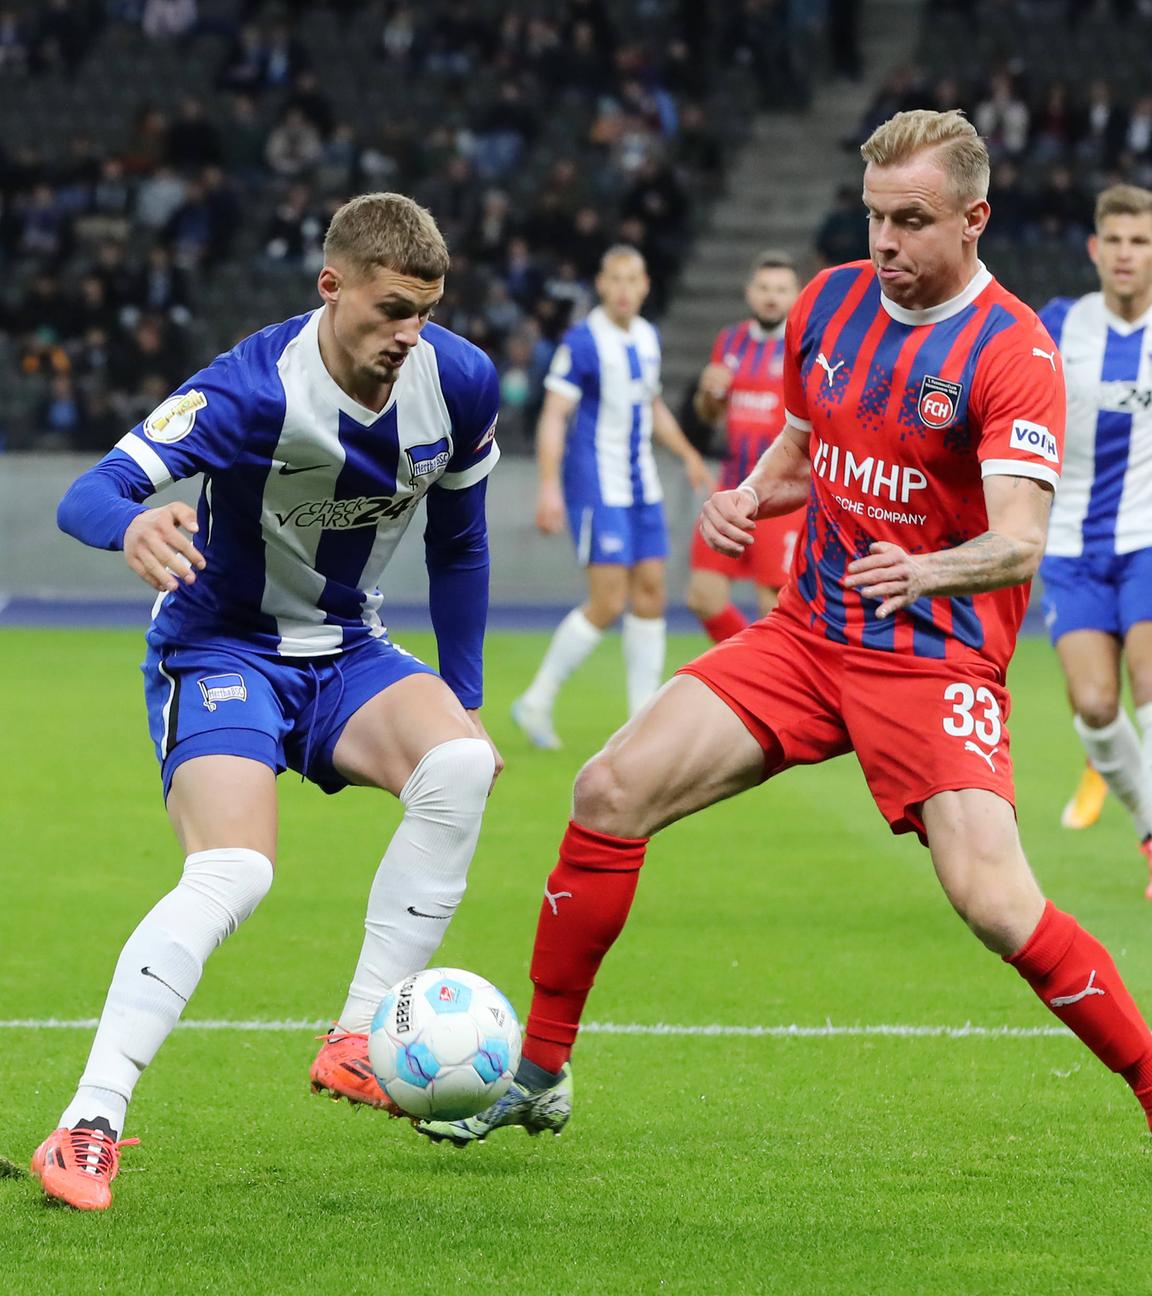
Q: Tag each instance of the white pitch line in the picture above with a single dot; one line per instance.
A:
(826, 1031)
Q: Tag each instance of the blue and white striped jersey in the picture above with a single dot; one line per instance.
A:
(1104, 504)
(615, 375)
(307, 493)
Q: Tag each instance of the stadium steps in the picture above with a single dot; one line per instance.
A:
(781, 184)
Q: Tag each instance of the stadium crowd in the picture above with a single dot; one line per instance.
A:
(110, 249)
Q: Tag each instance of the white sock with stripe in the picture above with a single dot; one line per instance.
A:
(574, 638)
(422, 876)
(1115, 752)
(645, 640)
(158, 969)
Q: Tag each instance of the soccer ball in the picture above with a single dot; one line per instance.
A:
(444, 1044)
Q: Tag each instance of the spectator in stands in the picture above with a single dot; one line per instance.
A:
(63, 32)
(843, 233)
(148, 148)
(1053, 125)
(13, 44)
(284, 58)
(159, 197)
(1063, 212)
(60, 418)
(114, 272)
(161, 287)
(492, 228)
(44, 229)
(1002, 118)
(169, 19)
(295, 235)
(242, 141)
(193, 141)
(312, 102)
(1102, 127)
(1011, 210)
(1138, 140)
(294, 146)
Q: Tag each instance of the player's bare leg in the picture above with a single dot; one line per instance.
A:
(645, 631)
(572, 641)
(415, 740)
(766, 598)
(709, 596)
(978, 858)
(223, 809)
(1138, 656)
(1091, 664)
(684, 751)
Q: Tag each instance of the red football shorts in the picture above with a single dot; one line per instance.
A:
(918, 726)
(767, 562)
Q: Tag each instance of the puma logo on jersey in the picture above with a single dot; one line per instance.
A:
(1050, 356)
(829, 369)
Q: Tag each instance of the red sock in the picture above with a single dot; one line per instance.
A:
(1075, 976)
(725, 623)
(586, 902)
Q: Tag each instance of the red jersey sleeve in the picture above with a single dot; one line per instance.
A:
(1018, 402)
(795, 397)
(717, 356)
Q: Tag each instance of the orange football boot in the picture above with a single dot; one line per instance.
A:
(77, 1166)
(1084, 806)
(342, 1070)
(1146, 847)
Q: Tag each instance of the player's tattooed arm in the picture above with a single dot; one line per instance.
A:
(778, 484)
(1008, 553)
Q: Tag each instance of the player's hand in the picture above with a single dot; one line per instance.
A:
(550, 510)
(158, 549)
(700, 476)
(728, 520)
(481, 732)
(715, 381)
(888, 573)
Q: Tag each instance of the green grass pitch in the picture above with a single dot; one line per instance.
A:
(707, 1164)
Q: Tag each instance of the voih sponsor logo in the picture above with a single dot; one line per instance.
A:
(1035, 438)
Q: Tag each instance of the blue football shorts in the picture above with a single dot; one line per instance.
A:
(286, 712)
(620, 536)
(1109, 593)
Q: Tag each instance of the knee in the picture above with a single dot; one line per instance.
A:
(648, 598)
(450, 780)
(604, 609)
(1097, 705)
(233, 878)
(1001, 916)
(702, 603)
(601, 800)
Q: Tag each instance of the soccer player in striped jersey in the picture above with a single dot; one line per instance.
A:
(1097, 570)
(925, 419)
(317, 438)
(601, 411)
(743, 387)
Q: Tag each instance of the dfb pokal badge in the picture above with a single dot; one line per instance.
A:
(938, 401)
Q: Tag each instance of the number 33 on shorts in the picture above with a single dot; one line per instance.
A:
(975, 715)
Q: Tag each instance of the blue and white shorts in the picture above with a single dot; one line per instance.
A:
(620, 536)
(286, 712)
(1109, 593)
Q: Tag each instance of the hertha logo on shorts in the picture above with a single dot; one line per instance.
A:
(938, 401)
(222, 688)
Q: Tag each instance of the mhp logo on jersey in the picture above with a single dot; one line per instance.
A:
(222, 688)
(425, 459)
(938, 401)
(1034, 438)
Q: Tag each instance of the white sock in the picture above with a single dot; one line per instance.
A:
(422, 876)
(573, 640)
(1115, 752)
(644, 641)
(1144, 716)
(158, 969)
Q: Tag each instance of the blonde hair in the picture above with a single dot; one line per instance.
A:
(960, 150)
(623, 250)
(389, 230)
(1123, 200)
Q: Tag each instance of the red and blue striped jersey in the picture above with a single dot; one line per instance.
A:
(907, 412)
(754, 413)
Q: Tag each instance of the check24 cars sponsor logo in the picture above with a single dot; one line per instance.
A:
(345, 514)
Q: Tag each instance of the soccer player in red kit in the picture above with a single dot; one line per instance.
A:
(925, 420)
(743, 386)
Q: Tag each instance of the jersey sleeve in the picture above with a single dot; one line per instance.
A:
(795, 397)
(720, 346)
(474, 449)
(573, 369)
(199, 428)
(1017, 406)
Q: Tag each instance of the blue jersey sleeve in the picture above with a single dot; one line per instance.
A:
(1053, 315)
(473, 405)
(575, 368)
(199, 428)
(456, 549)
(100, 504)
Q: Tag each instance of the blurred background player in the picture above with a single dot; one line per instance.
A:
(1097, 570)
(925, 414)
(596, 470)
(742, 388)
(317, 437)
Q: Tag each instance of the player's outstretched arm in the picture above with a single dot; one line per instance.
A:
(1008, 553)
(551, 434)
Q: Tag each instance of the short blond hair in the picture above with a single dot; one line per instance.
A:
(619, 250)
(389, 230)
(1123, 200)
(960, 150)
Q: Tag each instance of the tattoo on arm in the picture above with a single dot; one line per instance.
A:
(986, 562)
